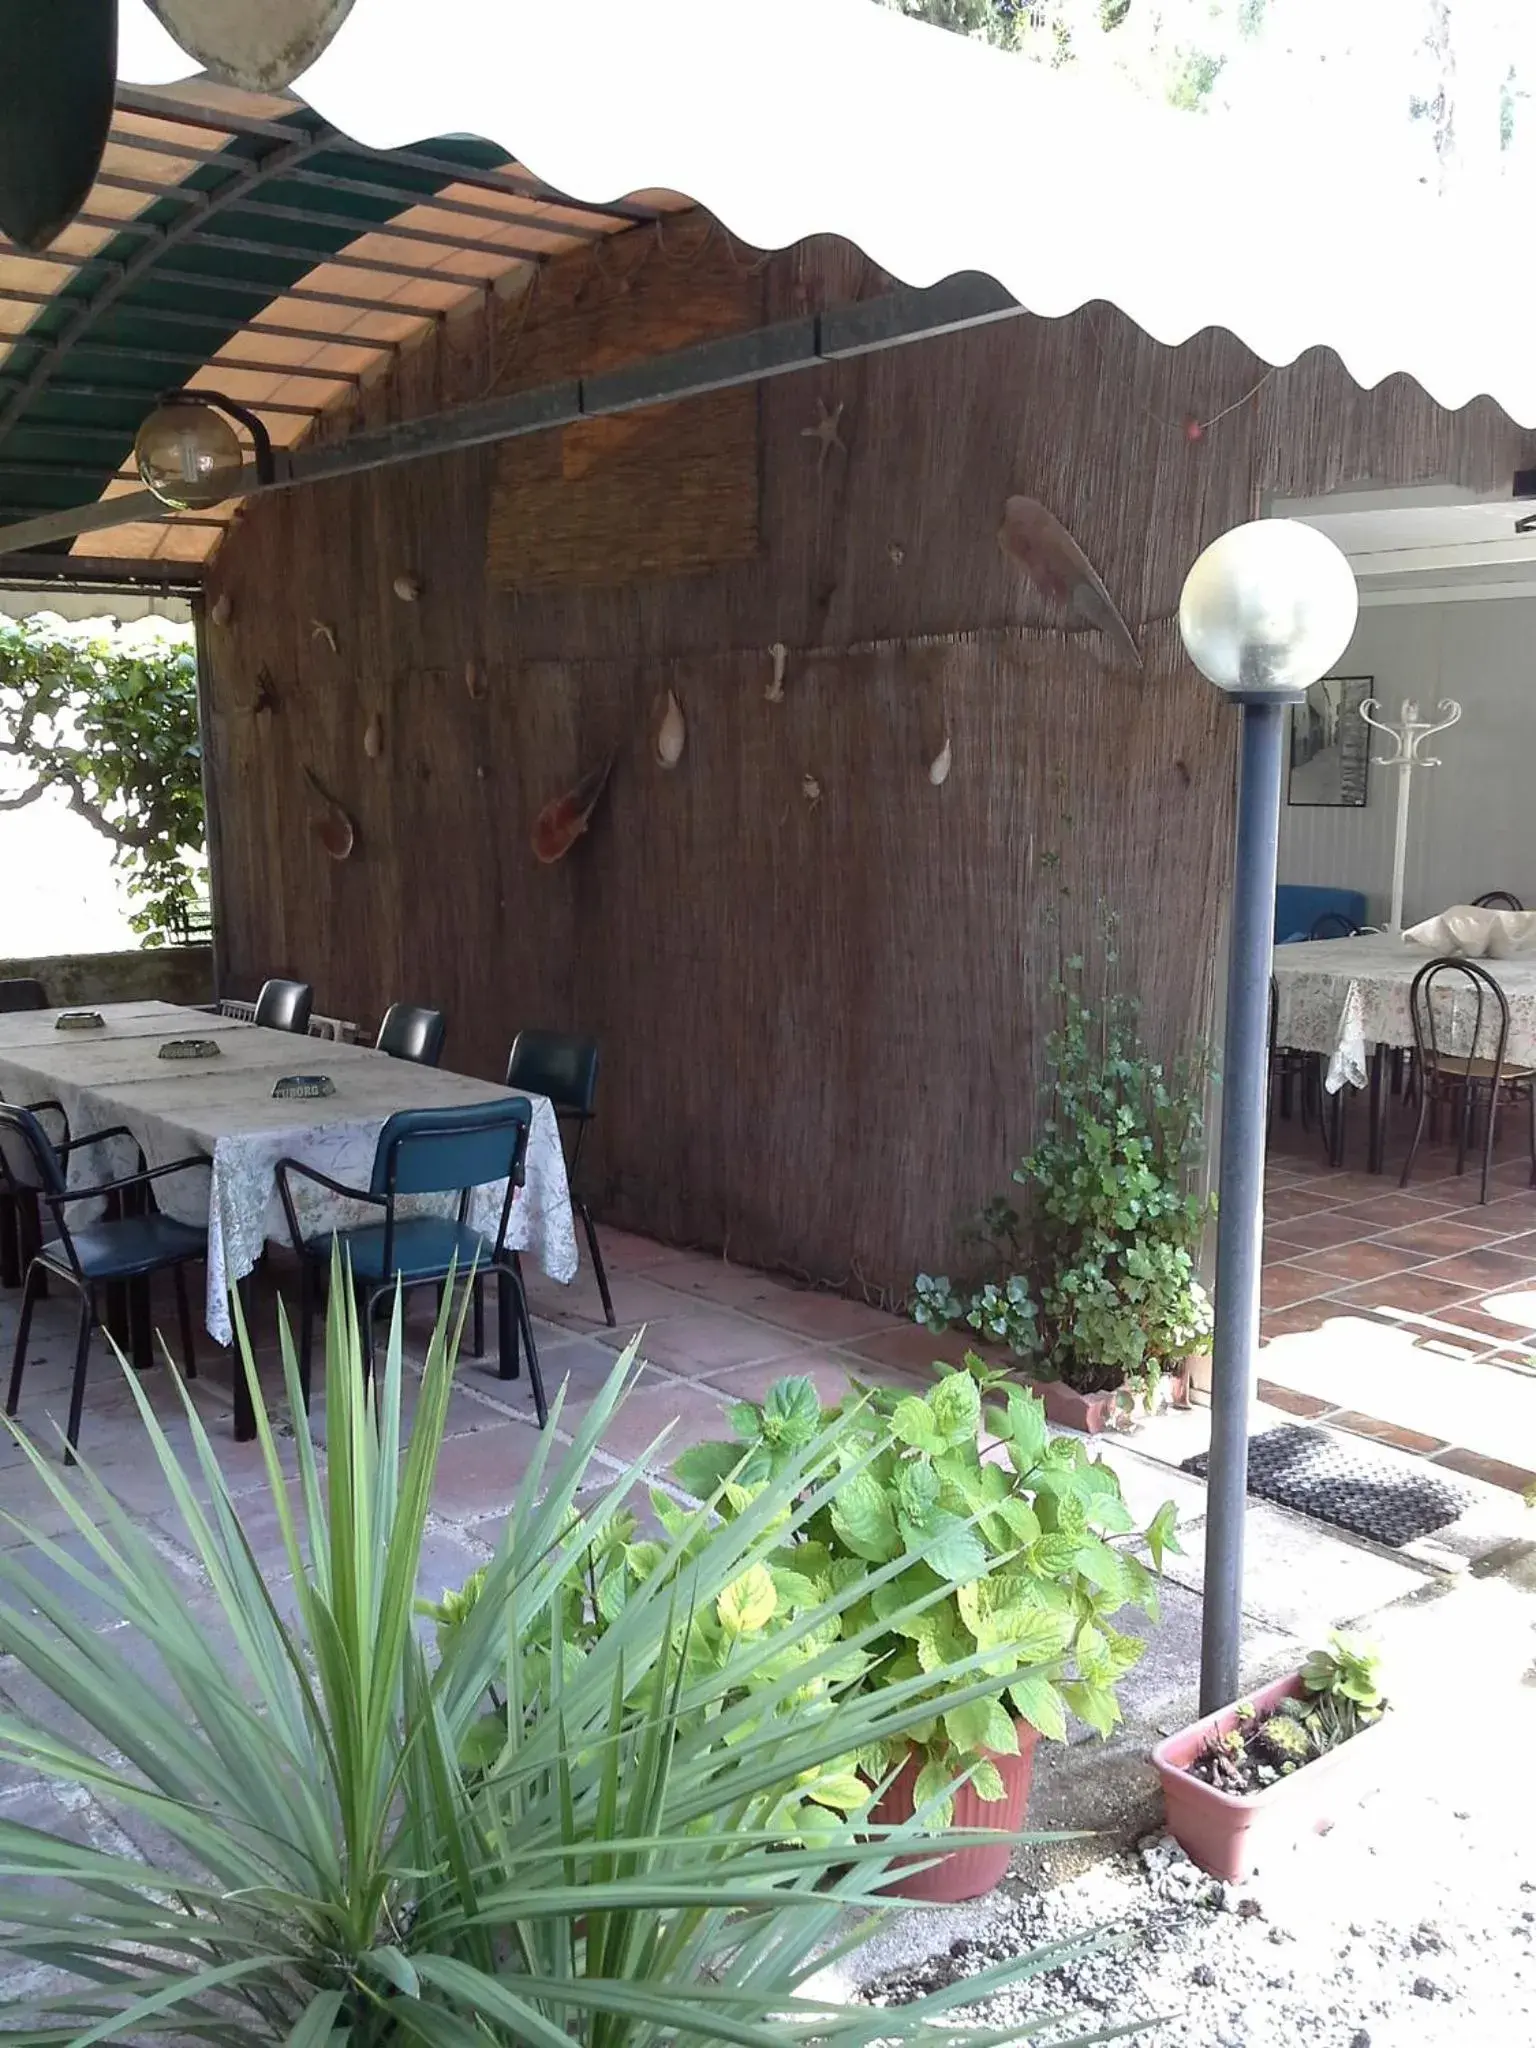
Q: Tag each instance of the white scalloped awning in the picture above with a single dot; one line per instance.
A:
(1297, 225)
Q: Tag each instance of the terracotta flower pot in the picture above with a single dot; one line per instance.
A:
(1230, 1835)
(965, 1873)
(1094, 1413)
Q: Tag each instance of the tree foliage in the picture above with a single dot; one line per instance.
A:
(107, 715)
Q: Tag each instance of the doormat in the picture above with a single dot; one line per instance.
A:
(1356, 1485)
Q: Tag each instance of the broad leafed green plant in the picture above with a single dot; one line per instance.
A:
(351, 1857)
(1002, 1559)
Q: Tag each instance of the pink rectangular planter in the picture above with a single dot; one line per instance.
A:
(1230, 1836)
(1094, 1413)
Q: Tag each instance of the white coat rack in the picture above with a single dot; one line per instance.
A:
(1408, 735)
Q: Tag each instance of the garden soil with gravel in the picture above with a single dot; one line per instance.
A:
(1412, 1926)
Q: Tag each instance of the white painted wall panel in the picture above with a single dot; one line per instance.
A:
(1473, 825)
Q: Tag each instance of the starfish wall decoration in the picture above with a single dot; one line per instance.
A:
(825, 432)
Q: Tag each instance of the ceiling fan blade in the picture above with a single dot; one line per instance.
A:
(58, 73)
(261, 45)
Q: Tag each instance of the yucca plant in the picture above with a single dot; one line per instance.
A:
(348, 1861)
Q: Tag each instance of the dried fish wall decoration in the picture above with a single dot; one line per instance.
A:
(563, 820)
(1052, 560)
(407, 589)
(373, 737)
(774, 694)
(671, 732)
(940, 765)
(333, 828)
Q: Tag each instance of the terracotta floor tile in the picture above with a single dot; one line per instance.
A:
(1390, 1211)
(1506, 1214)
(1485, 1267)
(1439, 1238)
(1279, 1248)
(698, 1341)
(690, 1415)
(1307, 1405)
(1362, 1260)
(1317, 1233)
(826, 1318)
(1522, 1246)
(1472, 1315)
(1297, 1201)
(625, 1252)
(479, 1475)
(1386, 1432)
(1512, 1361)
(1298, 1321)
(1282, 1286)
(914, 1349)
(1407, 1294)
(833, 1376)
(1492, 1471)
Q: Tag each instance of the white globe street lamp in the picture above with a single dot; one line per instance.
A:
(1266, 610)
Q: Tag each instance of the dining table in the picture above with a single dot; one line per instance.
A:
(220, 1105)
(1348, 1001)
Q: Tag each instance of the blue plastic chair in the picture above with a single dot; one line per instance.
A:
(425, 1152)
(129, 1244)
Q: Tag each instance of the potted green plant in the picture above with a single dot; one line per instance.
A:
(1259, 1776)
(355, 1843)
(995, 1542)
(1098, 1289)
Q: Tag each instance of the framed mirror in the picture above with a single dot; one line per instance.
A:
(1330, 744)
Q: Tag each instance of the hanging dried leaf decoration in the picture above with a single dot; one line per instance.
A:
(474, 680)
(563, 820)
(321, 629)
(333, 829)
(774, 694)
(1052, 560)
(810, 789)
(222, 610)
(940, 765)
(407, 588)
(373, 737)
(671, 732)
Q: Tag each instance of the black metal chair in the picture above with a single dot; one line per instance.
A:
(285, 1006)
(410, 1032)
(425, 1152)
(23, 993)
(1465, 1070)
(1497, 899)
(21, 1226)
(128, 1245)
(1333, 924)
(564, 1070)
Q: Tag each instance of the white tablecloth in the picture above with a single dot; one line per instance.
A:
(1341, 997)
(223, 1106)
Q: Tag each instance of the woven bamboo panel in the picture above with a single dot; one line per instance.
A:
(666, 491)
(822, 1022)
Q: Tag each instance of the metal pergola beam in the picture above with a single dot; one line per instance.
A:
(178, 316)
(143, 261)
(99, 572)
(407, 197)
(833, 335)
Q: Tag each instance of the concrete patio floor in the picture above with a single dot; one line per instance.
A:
(711, 1334)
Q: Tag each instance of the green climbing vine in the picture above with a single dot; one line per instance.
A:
(107, 715)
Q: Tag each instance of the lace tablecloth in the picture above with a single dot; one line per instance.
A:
(1341, 997)
(223, 1106)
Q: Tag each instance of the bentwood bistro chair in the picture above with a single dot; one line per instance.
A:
(130, 1243)
(1497, 899)
(424, 1152)
(1465, 1069)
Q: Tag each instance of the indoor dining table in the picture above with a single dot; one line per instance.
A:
(1348, 999)
(221, 1105)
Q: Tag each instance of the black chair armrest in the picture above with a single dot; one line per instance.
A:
(285, 1194)
(52, 1107)
(99, 1137)
(132, 1180)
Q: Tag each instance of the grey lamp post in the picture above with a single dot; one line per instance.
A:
(1266, 611)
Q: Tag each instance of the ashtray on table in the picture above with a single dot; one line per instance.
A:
(80, 1020)
(304, 1087)
(189, 1049)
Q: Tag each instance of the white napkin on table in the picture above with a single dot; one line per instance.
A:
(1468, 932)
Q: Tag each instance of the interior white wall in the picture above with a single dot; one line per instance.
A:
(1473, 821)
